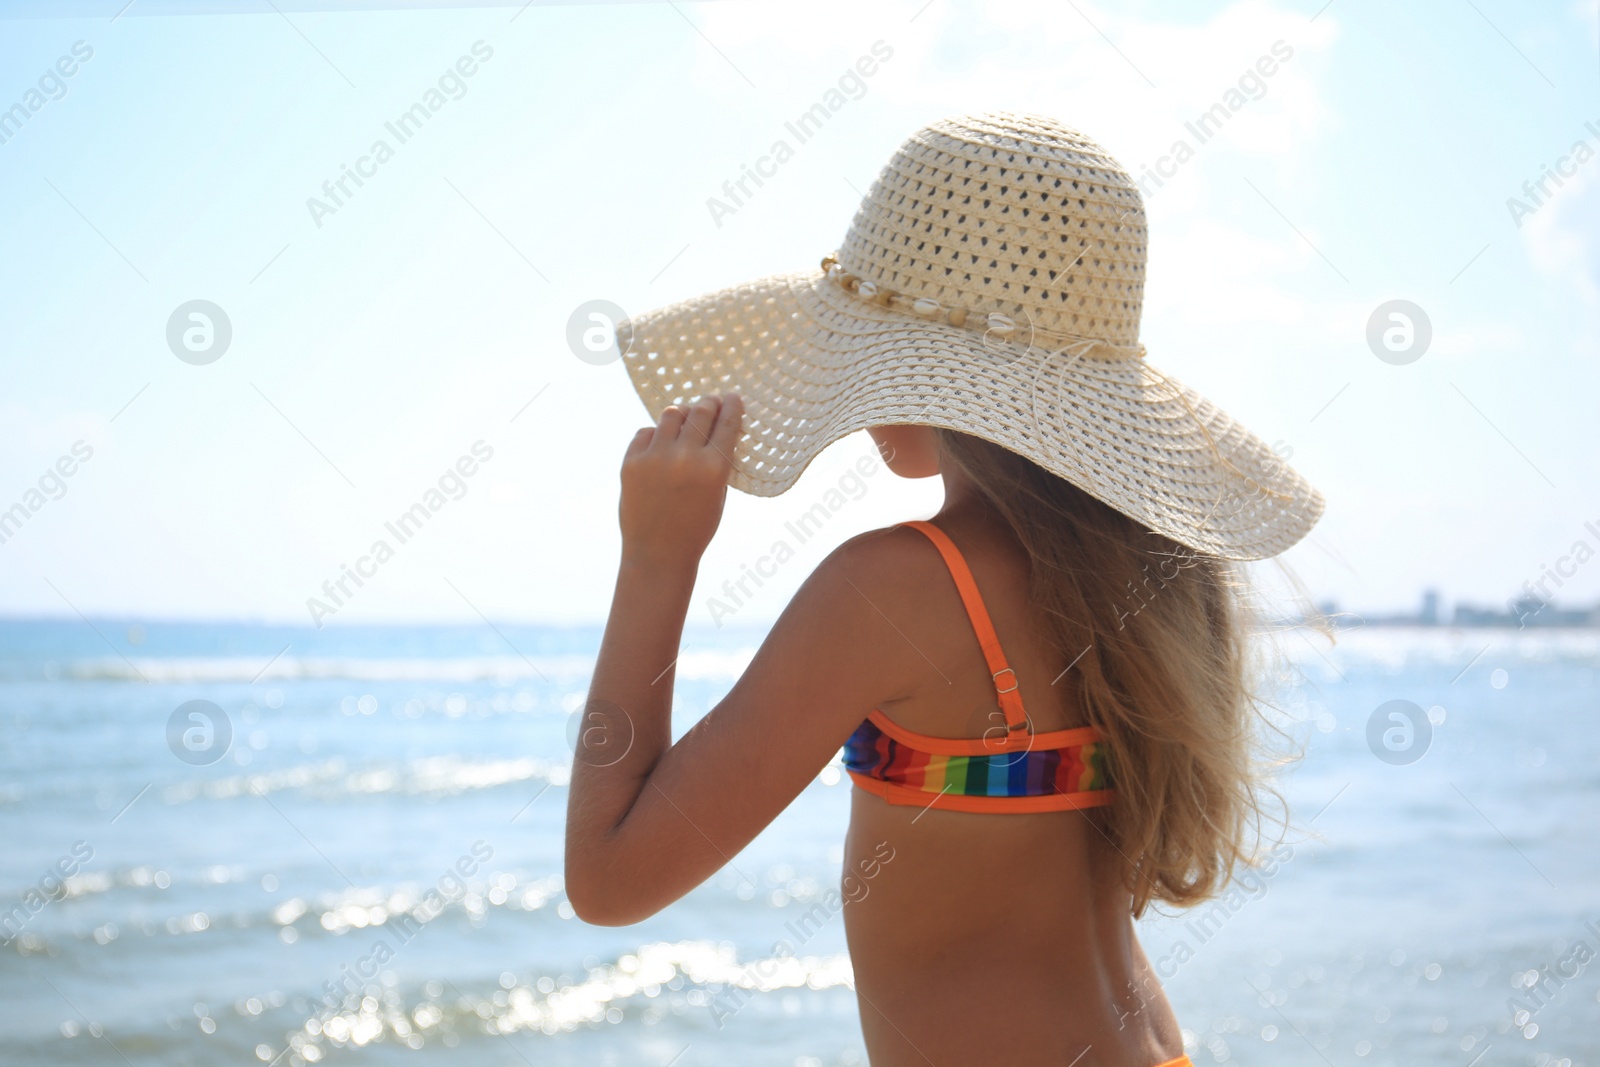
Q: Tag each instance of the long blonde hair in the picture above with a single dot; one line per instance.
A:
(1163, 669)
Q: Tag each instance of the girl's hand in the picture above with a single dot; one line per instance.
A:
(675, 480)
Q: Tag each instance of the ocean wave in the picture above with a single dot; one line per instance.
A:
(338, 668)
(432, 777)
(657, 983)
(90, 883)
(658, 979)
(332, 913)
(714, 665)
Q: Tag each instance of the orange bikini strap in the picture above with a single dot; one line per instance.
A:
(1005, 679)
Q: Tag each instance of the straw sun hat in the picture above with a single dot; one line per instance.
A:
(991, 282)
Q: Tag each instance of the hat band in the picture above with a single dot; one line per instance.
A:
(1004, 327)
(995, 324)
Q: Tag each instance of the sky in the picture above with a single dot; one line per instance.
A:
(422, 322)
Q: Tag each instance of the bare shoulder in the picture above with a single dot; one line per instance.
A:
(903, 564)
(899, 577)
(850, 636)
(865, 591)
(891, 566)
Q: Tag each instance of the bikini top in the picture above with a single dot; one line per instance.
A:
(1014, 770)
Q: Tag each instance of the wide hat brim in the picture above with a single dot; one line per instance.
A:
(814, 362)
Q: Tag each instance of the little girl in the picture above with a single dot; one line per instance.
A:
(1041, 693)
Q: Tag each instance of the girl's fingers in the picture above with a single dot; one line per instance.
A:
(702, 416)
(726, 432)
(667, 429)
(640, 442)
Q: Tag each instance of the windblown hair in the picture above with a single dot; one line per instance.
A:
(1164, 673)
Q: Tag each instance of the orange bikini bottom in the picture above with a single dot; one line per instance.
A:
(1181, 1061)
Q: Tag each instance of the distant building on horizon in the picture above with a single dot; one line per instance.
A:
(1430, 608)
(1520, 613)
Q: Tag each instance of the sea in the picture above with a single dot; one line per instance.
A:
(229, 843)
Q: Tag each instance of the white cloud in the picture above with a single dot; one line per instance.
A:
(1559, 237)
(1223, 275)
(1020, 55)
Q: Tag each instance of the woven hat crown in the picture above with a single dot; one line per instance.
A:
(1018, 215)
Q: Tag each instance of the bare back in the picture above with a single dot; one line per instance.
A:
(990, 937)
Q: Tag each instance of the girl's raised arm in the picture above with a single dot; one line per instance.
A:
(647, 820)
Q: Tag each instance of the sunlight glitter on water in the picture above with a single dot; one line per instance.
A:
(686, 974)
